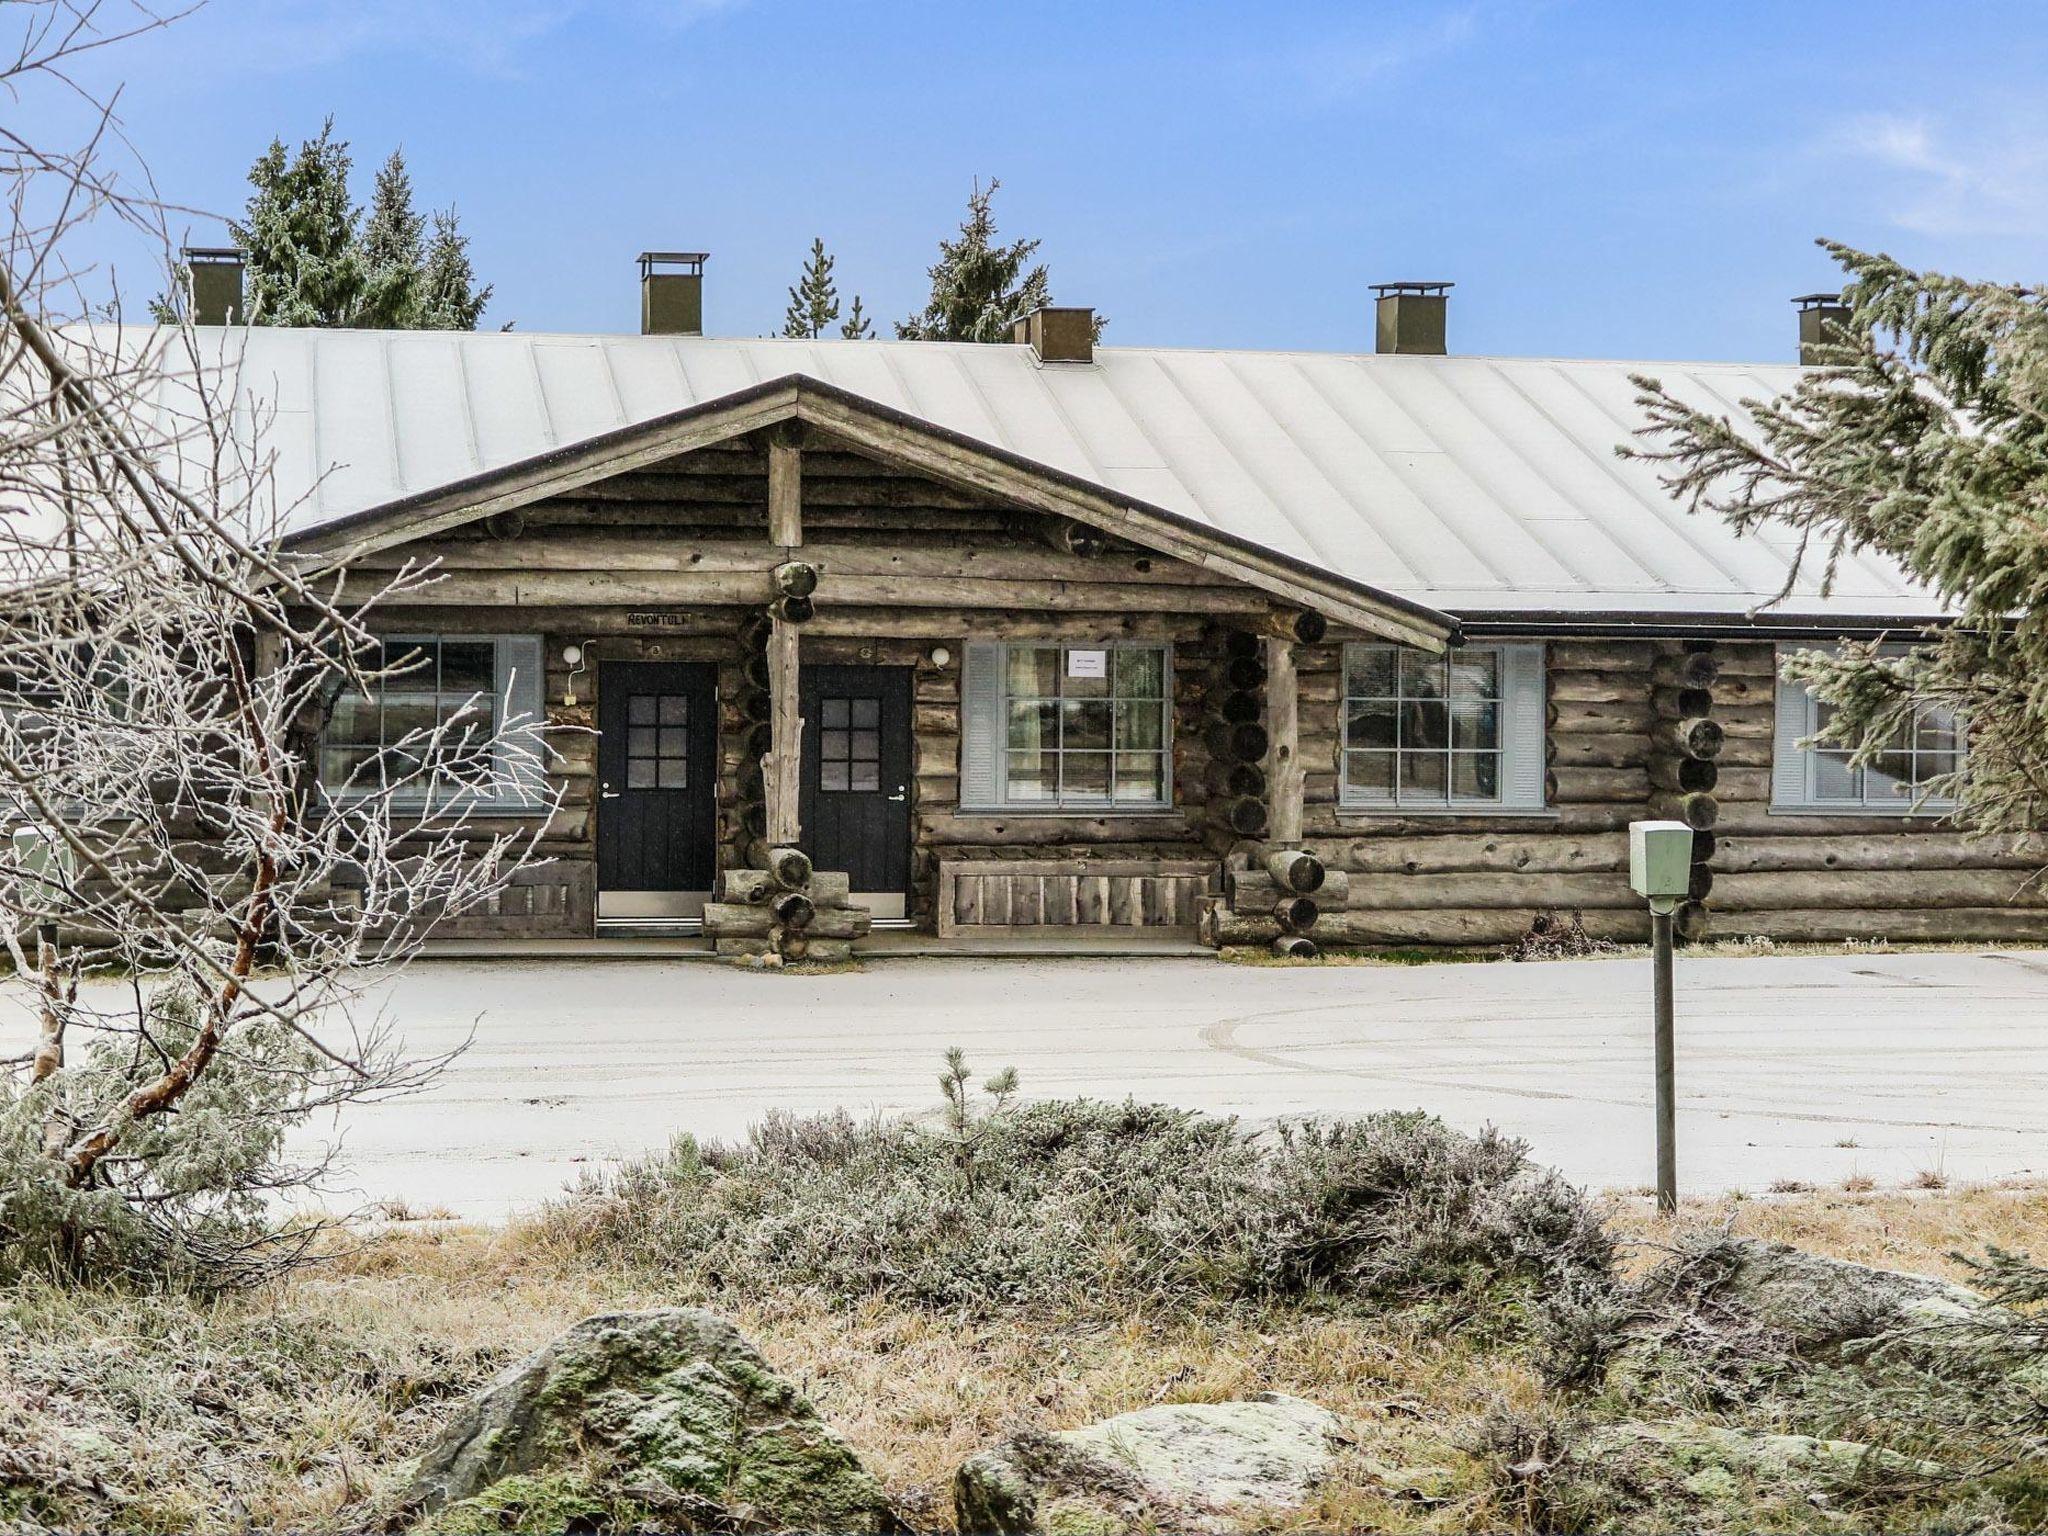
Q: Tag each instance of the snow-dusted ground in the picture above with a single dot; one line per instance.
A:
(1809, 1068)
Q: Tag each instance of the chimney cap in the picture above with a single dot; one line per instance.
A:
(694, 260)
(1820, 301)
(212, 253)
(1384, 289)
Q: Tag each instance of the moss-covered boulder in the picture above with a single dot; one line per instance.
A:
(1821, 1302)
(1187, 1466)
(667, 1416)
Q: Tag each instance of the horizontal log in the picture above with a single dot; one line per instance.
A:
(1938, 850)
(1601, 655)
(1600, 716)
(1573, 785)
(1875, 889)
(1684, 774)
(1028, 829)
(1459, 853)
(1681, 703)
(1253, 890)
(1608, 750)
(1295, 869)
(1294, 914)
(728, 920)
(1521, 889)
(1756, 818)
(1395, 928)
(1295, 946)
(1830, 925)
(1701, 812)
(1596, 688)
(1696, 737)
(1687, 669)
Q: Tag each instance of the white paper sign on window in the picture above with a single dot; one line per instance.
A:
(1087, 663)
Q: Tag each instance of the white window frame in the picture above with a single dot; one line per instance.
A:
(1521, 731)
(1795, 770)
(991, 716)
(517, 662)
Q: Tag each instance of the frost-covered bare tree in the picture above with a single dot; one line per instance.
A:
(194, 919)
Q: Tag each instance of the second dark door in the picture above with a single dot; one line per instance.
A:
(855, 791)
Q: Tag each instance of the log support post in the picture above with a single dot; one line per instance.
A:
(780, 768)
(1285, 778)
(785, 487)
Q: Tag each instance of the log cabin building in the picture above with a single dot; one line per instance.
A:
(1066, 640)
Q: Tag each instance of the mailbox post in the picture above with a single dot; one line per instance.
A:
(1660, 870)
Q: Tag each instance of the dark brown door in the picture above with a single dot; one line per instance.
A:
(855, 792)
(657, 743)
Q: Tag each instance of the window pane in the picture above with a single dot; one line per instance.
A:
(675, 709)
(867, 775)
(1475, 674)
(835, 712)
(404, 716)
(867, 746)
(1140, 725)
(1140, 777)
(1936, 731)
(1034, 725)
(1084, 775)
(640, 740)
(1370, 672)
(640, 709)
(411, 664)
(1475, 775)
(1370, 774)
(1140, 673)
(1372, 724)
(832, 775)
(354, 721)
(832, 745)
(867, 713)
(1422, 775)
(1888, 778)
(640, 773)
(337, 763)
(674, 741)
(1425, 725)
(1034, 672)
(1030, 775)
(1422, 677)
(1085, 725)
(1475, 726)
(468, 666)
(1073, 687)
(673, 773)
(1833, 779)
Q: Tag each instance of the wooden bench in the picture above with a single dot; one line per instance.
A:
(1027, 897)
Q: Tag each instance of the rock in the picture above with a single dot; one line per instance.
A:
(1185, 1466)
(1661, 1464)
(669, 1412)
(1822, 1302)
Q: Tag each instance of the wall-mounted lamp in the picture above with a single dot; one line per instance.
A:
(940, 655)
(572, 655)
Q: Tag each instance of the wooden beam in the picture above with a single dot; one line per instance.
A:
(781, 767)
(1285, 777)
(785, 487)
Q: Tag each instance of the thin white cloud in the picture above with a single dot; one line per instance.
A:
(1396, 41)
(1936, 176)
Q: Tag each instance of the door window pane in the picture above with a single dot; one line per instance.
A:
(850, 747)
(658, 754)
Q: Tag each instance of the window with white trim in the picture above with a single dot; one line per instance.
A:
(483, 690)
(1056, 727)
(1461, 731)
(1894, 781)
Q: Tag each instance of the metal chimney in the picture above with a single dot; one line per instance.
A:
(1823, 327)
(1411, 317)
(672, 302)
(1061, 334)
(213, 280)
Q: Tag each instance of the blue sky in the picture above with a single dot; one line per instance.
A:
(1600, 179)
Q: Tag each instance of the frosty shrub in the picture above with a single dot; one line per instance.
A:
(1086, 1204)
(185, 1198)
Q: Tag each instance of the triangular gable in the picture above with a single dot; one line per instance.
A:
(896, 438)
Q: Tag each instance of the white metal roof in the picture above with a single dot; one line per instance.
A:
(1474, 485)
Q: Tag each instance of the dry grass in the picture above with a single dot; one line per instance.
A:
(296, 1407)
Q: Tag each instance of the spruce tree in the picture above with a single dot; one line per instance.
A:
(857, 326)
(393, 251)
(1924, 439)
(449, 297)
(814, 301)
(298, 236)
(978, 286)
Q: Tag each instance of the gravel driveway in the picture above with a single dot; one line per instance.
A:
(1801, 1068)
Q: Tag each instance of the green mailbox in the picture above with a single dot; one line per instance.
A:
(1660, 861)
